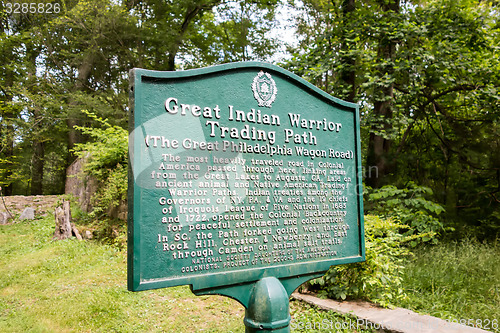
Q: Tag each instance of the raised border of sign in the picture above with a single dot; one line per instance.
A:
(221, 279)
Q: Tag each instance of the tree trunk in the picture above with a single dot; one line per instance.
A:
(8, 151)
(63, 222)
(189, 17)
(38, 156)
(74, 136)
(6, 112)
(348, 73)
(7, 141)
(174, 48)
(378, 146)
(38, 161)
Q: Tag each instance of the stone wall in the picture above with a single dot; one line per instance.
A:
(82, 187)
(42, 204)
(77, 184)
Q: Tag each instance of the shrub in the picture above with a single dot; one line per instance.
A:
(378, 279)
(106, 160)
(408, 206)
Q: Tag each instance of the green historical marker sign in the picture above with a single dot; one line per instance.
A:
(239, 173)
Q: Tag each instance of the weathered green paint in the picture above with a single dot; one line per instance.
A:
(186, 227)
(268, 308)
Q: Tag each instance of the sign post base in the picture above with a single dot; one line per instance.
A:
(266, 301)
(268, 308)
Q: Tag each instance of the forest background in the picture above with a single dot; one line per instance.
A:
(426, 74)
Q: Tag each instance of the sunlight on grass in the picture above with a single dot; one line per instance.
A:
(63, 286)
(456, 281)
(68, 286)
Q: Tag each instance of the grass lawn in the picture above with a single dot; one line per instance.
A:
(458, 281)
(80, 286)
(63, 286)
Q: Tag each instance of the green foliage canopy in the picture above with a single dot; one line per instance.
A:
(426, 74)
(56, 65)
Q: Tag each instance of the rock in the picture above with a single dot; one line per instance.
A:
(79, 185)
(4, 218)
(27, 214)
